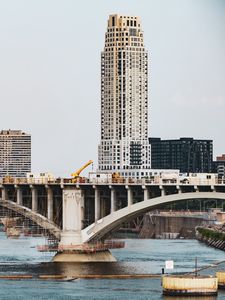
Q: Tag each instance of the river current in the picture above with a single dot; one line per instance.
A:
(20, 256)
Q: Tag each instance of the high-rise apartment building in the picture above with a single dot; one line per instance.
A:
(124, 97)
(184, 154)
(15, 153)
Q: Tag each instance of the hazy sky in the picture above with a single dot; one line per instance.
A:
(50, 73)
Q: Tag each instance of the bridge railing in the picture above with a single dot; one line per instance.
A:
(15, 180)
(120, 181)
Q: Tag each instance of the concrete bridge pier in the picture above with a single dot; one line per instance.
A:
(129, 196)
(73, 205)
(19, 195)
(49, 203)
(163, 192)
(4, 193)
(113, 200)
(34, 199)
(97, 204)
(72, 224)
(196, 188)
(146, 193)
(178, 189)
(71, 236)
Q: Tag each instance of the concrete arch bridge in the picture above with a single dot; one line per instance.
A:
(87, 212)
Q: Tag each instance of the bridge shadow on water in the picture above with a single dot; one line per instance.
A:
(70, 270)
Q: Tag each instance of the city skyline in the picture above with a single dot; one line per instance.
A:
(47, 66)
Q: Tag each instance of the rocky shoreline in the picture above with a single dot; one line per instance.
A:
(214, 237)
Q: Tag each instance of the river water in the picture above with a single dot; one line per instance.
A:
(139, 256)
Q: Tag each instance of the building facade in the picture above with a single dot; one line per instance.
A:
(219, 166)
(186, 154)
(15, 153)
(124, 97)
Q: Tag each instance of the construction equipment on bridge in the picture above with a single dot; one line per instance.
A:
(117, 178)
(76, 175)
(8, 179)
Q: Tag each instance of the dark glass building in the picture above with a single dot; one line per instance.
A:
(186, 154)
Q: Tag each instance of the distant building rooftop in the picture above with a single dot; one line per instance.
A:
(221, 158)
(157, 139)
(12, 132)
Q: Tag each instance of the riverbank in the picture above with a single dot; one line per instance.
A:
(211, 236)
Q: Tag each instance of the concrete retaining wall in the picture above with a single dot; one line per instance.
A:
(170, 226)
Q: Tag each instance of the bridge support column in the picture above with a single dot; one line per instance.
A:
(179, 189)
(73, 205)
(146, 193)
(19, 196)
(196, 188)
(129, 196)
(113, 200)
(34, 197)
(97, 205)
(4, 193)
(50, 203)
(163, 192)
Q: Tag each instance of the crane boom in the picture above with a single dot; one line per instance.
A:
(77, 173)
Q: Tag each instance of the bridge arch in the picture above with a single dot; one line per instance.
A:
(113, 221)
(37, 218)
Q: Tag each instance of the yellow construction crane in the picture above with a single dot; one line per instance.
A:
(76, 174)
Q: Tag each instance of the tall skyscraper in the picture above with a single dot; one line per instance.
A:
(15, 153)
(124, 97)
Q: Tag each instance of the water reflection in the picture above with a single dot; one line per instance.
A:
(75, 269)
(138, 257)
